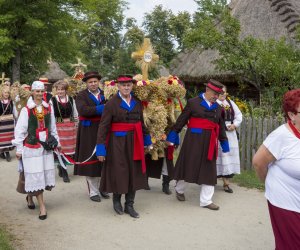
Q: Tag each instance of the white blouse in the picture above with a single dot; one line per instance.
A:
(283, 177)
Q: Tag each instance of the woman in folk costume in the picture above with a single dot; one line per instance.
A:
(228, 164)
(120, 144)
(196, 162)
(8, 115)
(35, 138)
(66, 116)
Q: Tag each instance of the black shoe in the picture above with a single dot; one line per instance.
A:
(65, 175)
(130, 210)
(59, 170)
(227, 189)
(2, 155)
(95, 198)
(165, 185)
(105, 195)
(43, 217)
(30, 206)
(7, 156)
(117, 204)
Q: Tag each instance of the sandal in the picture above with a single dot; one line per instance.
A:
(227, 189)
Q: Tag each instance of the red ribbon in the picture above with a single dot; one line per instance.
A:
(79, 163)
(294, 129)
(209, 125)
(214, 88)
(180, 104)
(138, 151)
(170, 151)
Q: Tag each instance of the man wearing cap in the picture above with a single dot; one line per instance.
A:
(196, 162)
(47, 95)
(90, 105)
(120, 144)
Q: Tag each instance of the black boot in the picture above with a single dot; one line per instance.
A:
(129, 197)
(117, 204)
(65, 175)
(59, 170)
(2, 155)
(147, 187)
(7, 156)
(165, 185)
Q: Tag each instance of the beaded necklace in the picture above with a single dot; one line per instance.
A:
(39, 115)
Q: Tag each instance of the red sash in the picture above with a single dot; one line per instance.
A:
(209, 125)
(93, 118)
(138, 150)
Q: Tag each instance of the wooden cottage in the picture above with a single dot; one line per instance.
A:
(263, 19)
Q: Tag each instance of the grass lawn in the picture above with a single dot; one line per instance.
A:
(248, 179)
(5, 239)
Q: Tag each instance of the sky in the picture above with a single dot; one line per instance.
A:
(137, 8)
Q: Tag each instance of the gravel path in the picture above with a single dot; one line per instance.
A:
(75, 222)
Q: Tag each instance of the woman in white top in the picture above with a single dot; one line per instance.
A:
(36, 127)
(228, 164)
(277, 163)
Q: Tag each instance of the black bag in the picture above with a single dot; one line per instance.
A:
(50, 144)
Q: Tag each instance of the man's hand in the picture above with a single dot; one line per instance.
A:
(59, 149)
(101, 158)
(18, 156)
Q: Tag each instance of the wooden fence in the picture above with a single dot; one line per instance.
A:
(252, 133)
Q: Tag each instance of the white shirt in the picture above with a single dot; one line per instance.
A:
(283, 177)
(21, 129)
(238, 116)
(66, 99)
(128, 103)
(207, 101)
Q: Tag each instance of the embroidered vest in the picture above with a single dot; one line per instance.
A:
(33, 125)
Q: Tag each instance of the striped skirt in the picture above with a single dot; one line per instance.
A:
(67, 136)
(6, 134)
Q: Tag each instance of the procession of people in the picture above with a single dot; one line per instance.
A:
(107, 142)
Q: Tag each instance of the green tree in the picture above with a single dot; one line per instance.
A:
(157, 28)
(102, 37)
(271, 66)
(133, 37)
(32, 31)
(179, 25)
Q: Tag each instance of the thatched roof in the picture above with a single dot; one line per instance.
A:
(262, 19)
(54, 72)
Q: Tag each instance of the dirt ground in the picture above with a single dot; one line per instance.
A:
(75, 222)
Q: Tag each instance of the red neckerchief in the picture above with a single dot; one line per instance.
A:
(294, 129)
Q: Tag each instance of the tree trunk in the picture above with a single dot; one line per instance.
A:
(16, 66)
